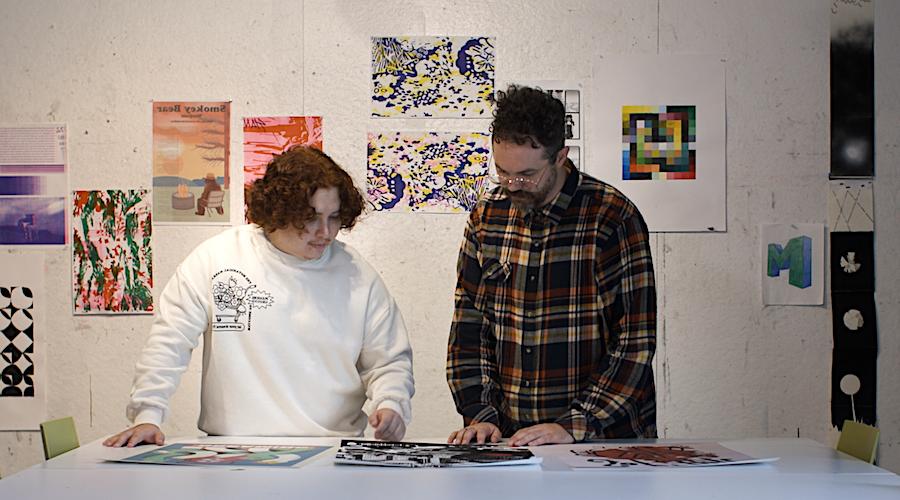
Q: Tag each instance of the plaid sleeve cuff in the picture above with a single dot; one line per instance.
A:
(576, 424)
(481, 413)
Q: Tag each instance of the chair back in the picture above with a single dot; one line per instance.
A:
(59, 436)
(215, 199)
(859, 440)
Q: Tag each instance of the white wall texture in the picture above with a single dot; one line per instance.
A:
(726, 366)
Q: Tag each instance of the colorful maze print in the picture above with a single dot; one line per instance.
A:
(658, 142)
(17, 341)
(427, 172)
(432, 77)
(112, 258)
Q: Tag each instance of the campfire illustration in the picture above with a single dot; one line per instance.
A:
(182, 198)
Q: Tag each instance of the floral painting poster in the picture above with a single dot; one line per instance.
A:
(112, 264)
(432, 76)
(190, 162)
(427, 171)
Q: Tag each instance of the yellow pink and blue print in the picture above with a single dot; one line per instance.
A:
(432, 76)
(658, 142)
(428, 171)
(227, 454)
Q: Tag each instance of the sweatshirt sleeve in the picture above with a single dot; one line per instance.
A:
(180, 321)
(385, 363)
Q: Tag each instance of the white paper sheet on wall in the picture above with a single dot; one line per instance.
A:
(22, 342)
(657, 133)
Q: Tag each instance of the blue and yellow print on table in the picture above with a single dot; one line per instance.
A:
(432, 76)
(659, 142)
(436, 172)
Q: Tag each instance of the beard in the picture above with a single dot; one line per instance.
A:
(528, 200)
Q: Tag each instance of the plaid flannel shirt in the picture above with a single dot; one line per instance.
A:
(555, 316)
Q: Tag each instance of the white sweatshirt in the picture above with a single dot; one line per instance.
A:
(291, 347)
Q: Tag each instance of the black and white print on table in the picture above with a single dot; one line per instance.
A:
(17, 342)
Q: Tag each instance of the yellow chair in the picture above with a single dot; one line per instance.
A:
(59, 436)
(859, 440)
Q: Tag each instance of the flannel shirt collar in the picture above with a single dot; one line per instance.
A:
(554, 211)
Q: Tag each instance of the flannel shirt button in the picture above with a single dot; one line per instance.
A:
(527, 383)
(536, 244)
(531, 277)
(527, 350)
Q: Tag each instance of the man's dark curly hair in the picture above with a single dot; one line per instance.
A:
(526, 115)
(282, 197)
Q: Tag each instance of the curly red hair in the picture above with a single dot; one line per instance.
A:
(282, 196)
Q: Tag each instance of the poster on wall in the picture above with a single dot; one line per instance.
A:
(437, 172)
(793, 264)
(190, 162)
(851, 206)
(34, 184)
(112, 261)
(657, 133)
(23, 324)
(571, 95)
(268, 136)
(432, 76)
(852, 88)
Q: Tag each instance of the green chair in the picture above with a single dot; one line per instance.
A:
(859, 440)
(59, 436)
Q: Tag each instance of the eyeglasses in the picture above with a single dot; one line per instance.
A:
(520, 180)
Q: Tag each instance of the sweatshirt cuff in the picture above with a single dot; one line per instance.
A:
(149, 415)
(390, 404)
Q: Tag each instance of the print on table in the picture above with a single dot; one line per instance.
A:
(227, 454)
(658, 142)
(432, 76)
(17, 341)
(653, 456)
(111, 254)
(427, 172)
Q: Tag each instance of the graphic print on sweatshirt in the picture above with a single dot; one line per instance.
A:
(235, 297)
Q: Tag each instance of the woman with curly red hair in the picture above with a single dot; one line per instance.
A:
(299, 331)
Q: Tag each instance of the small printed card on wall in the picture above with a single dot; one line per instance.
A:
(792, 262)
(853, 384)
(853, 320)
(112, 261)
(852, 262)
(851, 206)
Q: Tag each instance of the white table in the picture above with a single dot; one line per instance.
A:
(806, 470)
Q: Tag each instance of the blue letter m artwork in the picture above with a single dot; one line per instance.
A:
(796, 256)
